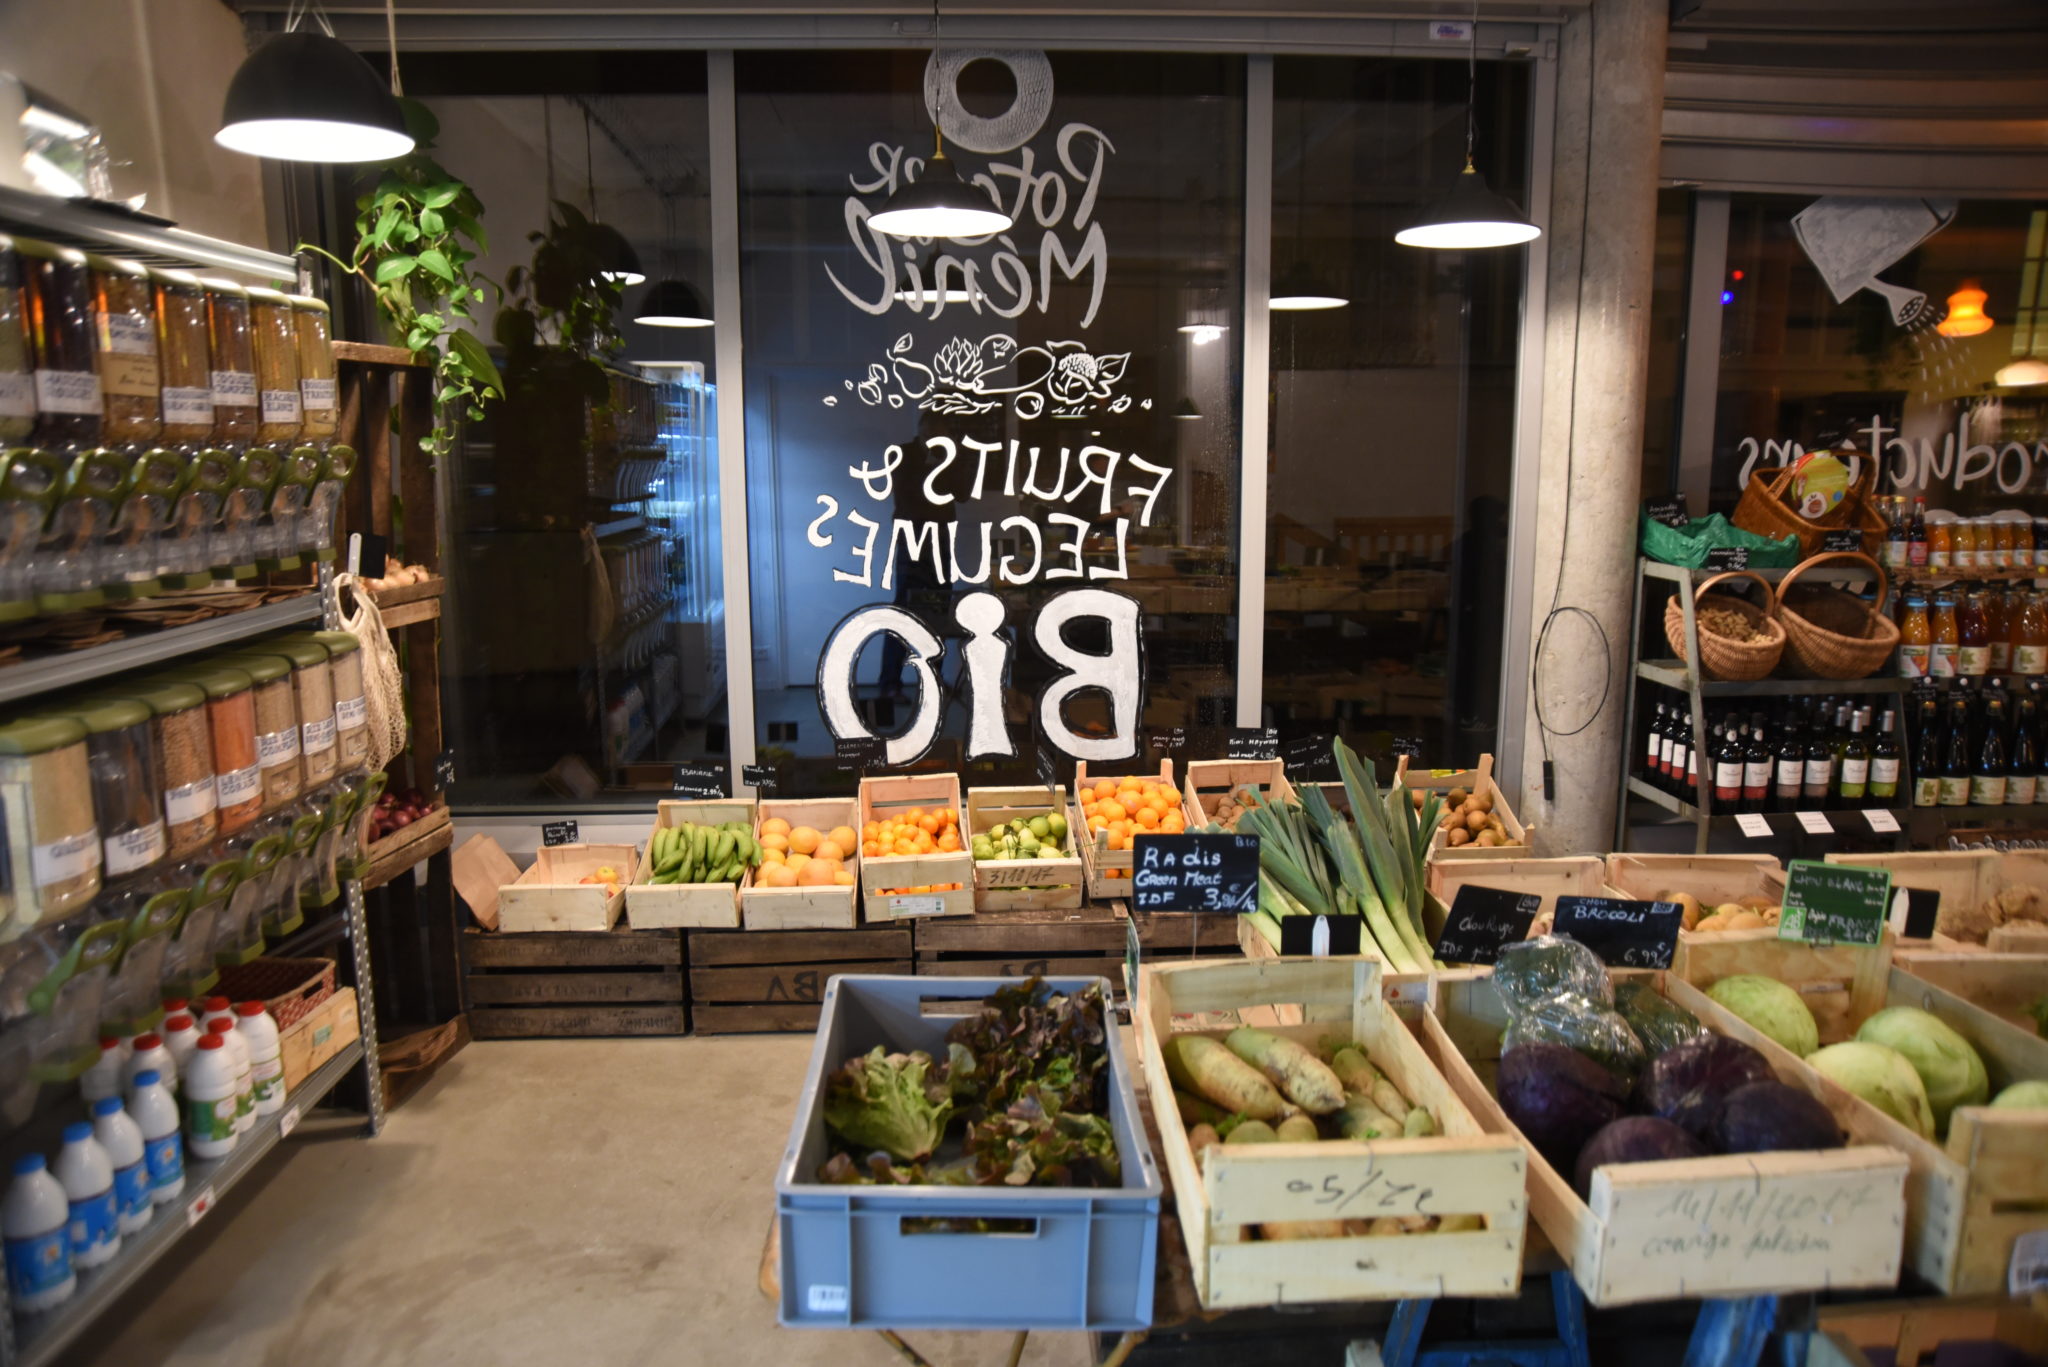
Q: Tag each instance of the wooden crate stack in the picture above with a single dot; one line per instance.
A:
(1091, 939)
(574, 983)
(748, 981)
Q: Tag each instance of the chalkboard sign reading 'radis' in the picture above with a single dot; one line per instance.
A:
(1482, 920)
(1834, 903)
(1624, 933)
(1217, 873)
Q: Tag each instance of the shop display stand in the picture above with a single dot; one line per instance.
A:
(39, 1339)
(1648, 636)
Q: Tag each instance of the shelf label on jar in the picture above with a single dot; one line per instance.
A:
(274, 748)
(130, 376)
(17, 395)
(127, 333)
(190, 801)
(188, 405)
(136, 849)
(60, 861)
(234, 389)
(281, 405)
(318, 395)
(318, 735)
(349, 713)
(243, 785)
(68, 391)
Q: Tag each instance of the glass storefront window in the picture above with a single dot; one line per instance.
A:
(984, 435)
(1393, 416)
(586, 622)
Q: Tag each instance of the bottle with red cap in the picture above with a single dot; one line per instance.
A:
(266, 1061)
(150, 1056)
(211, 1090)
(180, 1034)
(104, 1077)
(220, 1020)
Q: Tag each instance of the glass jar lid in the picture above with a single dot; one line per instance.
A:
(308, 303)
(217, 680)
(102, 714)
(39, 735)
(302, 653)
(261, 668)
(218, 285)
(165, 695)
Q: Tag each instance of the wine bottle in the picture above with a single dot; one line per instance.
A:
(1987, 775)
(1728, 761)
(1756, 768)
(1927, 758)
(1820, 763)
(2023, 773)
(1955, 759)
(1884, 763)
(1791, 768)
(1854, 783)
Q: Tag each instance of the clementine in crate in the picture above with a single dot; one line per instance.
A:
(1124, 808)
(915, 831)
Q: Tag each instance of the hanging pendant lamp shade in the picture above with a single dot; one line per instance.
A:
(1470, 216)
(1966, 315)
(1300, 288)
(939, 204)
(2021, 373)
(1186, 411)
(673, 304)
(304, 96)
(616, 259)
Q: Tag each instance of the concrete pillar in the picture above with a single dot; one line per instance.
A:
(1596, 357)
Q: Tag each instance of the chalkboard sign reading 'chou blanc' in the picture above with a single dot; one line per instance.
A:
(1834, 903)
(1218, 873)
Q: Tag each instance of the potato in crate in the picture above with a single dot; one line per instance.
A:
(1219, 790)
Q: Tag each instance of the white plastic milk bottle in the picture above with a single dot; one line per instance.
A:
(163, 1149)
(88, 1177)
(222, 1022)
(266, 1063)
(122, 1140)
(210, 1091)
(36, 1220)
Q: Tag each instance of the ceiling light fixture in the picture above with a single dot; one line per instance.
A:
(938, 203)
(1472, 215)
(673, 304)
(307, 96)
(1300, 289)
(1966, 316)
(2022, 373)
(1186, 411)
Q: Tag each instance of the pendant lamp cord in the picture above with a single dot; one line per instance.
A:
(938, 142)
(1472, 85)
(547, 140)
(391, 41)
(589, 165)
(301, 10)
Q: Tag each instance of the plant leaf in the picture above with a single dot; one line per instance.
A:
(434, 260)
(477, 360)
(392, 267)
(430, 222)
(441, 196)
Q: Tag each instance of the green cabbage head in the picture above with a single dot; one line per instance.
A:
(1771, 1007)
(1881, 1077)
(1946, 1063)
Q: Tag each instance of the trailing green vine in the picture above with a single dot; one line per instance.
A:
(418, 229)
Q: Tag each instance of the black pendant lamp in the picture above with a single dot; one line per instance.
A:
(940, 204)
(1471, 216)
(1186, 410)
(616, 259)
(673, 304)
(307, 96)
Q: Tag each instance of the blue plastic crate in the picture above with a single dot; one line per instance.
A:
(848, 1262)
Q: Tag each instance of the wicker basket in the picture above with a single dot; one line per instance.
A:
(1830, 633)
(1765, 509)
(1723, 657)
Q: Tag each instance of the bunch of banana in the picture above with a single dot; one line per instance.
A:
(689, 853)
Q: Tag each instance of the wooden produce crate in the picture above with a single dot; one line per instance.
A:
(1966, 879)
(1225, 1192)
(2004, 985)
(1838, 983)
(744, 981)
(318, 1036)
(1017, 944)
(573, 983)
(1973, 1192)
(806, 908)
(406, 846)
(882, 875)
(670, 906)
(1724, 1225)
(1716, 879)
(1579, 875)
(548, 897)
(1209, 780)
(1017, 884)
(1480, 780)
(1108, 871)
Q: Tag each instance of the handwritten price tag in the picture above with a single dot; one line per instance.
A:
(1881, 821)
(1816, 823)
(1753, 826)
(289, 1121)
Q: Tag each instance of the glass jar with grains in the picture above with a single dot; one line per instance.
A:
(17, 376)
(320, 396)
(56, 296)
(277, 724)
(125, 320)
(280, 410)
(313, 690)
(184, 756)
(126, 788)
(351, 708)
(46, 793)
(231, 720)
(183, 355)
(231, 351)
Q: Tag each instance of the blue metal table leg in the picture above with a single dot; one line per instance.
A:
(1731, 1333)
(1403, 1343)
(1570, 1305)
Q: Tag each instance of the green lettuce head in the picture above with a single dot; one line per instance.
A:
(890, 1102)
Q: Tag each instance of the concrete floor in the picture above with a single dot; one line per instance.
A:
(557, 1202)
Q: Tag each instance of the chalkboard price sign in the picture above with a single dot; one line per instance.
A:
(1625, 934)
(1843, 539)
(444, 771)
(861, 753)
(761, 778)
(1257, 742)
(1914, 912)
(1169, 738)
(558, 833)
(1481, 921)
(1406, 745)
(1216, 873)
(1728, 558)
(1834, 903)
(1340, 935)
(700, 778)
(1669, 511)
(1311, 759)
(1048, 769)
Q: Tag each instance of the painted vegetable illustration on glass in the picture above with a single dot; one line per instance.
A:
(1063, 379)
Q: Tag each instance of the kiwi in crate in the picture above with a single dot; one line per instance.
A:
(1468, 819)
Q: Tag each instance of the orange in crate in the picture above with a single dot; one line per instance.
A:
(1127, 807)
